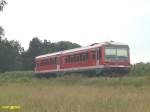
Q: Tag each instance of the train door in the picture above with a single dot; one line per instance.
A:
(93, 57)
(58, 63)
(97, 56)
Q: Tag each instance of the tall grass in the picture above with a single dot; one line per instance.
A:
(79, 80)
(75, 93)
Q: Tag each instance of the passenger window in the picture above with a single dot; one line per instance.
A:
(55, 60)
(65, 59)
(68, 59)
(93, 55)
(71, 59)
(80, 56)
(98, 54)
(83, 57)
(86, 56)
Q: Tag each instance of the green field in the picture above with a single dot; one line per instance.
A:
(75, 93)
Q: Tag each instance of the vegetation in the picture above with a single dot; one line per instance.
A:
(10, 55)
(140, 69)
(39, 47)
(14, 57)
(75, 93)
(2, 4)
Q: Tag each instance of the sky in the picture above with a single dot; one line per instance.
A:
(81, 21)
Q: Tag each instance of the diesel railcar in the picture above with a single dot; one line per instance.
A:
(98, 57)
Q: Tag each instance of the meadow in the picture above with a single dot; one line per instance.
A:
(74, 93)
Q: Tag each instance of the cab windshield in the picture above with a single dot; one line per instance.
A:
(113, 53)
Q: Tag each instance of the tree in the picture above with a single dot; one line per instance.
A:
(140, 69)
(35, 49)
(46, 47)
(2, 4)
(65, 45)
(10, 54)
(1, 32)
(38, 47)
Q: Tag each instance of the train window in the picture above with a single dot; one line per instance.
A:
(37, 64)
(69, 59)
(110, 51)
(50, 60)
(93, 55)
(122, 52)
(98, 53)
(72, 59)
(77, 57)
(83, 57)
(80, 56)
(55, 60)
(42, 63)
(86, 56)
(46, 62)
(65, 59)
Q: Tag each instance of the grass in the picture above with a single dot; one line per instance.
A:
(75, 93)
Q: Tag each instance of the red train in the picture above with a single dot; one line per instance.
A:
(99, 57)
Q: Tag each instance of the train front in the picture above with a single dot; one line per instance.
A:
(116, 57)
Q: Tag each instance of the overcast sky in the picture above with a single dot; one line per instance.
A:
(81, 21)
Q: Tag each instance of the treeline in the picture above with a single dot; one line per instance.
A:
(140, 69)
(14, 57)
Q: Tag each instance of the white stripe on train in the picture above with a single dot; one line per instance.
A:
(81, 68)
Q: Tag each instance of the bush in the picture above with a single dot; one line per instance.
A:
(140, 69)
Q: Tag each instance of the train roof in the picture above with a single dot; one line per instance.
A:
(82, 48)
